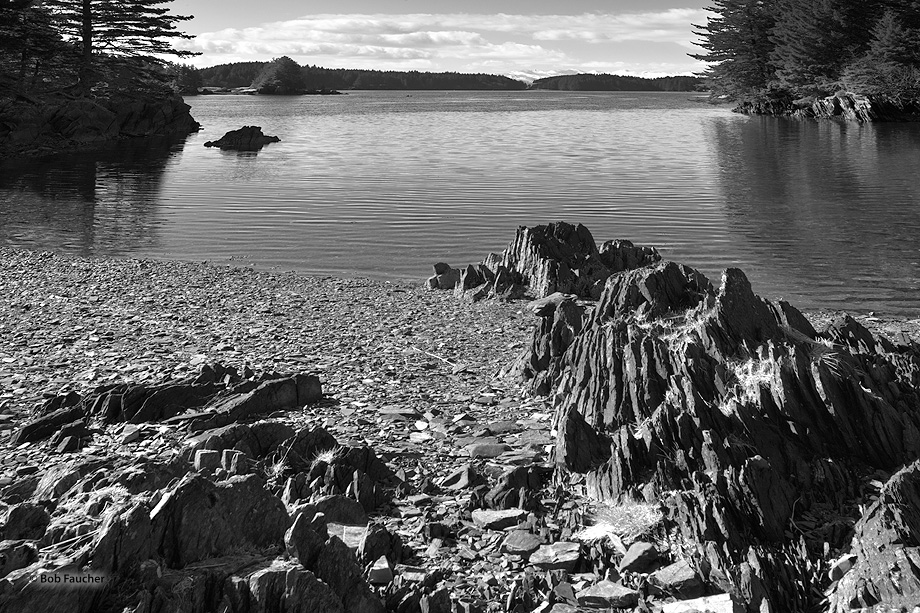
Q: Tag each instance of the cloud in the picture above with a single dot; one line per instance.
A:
(455, 41)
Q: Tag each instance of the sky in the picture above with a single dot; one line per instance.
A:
(510, 37)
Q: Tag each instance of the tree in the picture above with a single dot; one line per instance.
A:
(281, 76)
(738, 46)
(891, 67)
(121, 28)
(29, 43)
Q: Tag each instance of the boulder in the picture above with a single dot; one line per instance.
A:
(607, 595)
(247, 138)
(557, 556)
(15, 555)
(498, 520)
(200, 519)
(26, 521)
(639, 558)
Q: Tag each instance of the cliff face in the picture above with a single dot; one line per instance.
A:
(48, 127)
(843, 105)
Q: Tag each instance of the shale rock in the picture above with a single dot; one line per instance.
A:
(732, 410)
(886, 573)
(247, 138)
(543, 260)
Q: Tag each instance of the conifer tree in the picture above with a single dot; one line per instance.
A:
(737, 42)
(281, 76)
(122, 28)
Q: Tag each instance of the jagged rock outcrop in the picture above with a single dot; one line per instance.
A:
(557, 257)
(731, 410)
(842, 105)
(247, 138)
(53, 126)
(217, 397)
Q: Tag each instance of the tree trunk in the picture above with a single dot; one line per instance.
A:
(86, 69)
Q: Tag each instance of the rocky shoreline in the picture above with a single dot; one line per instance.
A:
(35, 128)
(417, 452)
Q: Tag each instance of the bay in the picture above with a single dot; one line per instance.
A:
(384, 184)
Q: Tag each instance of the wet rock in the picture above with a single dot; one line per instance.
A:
(639, 558)
(26, 521)
(557, 556)
(247, 138)
(607, 595)
(498, 520)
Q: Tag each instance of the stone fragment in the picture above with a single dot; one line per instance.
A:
(720, 603)
(305, 539)
(498, 520)
(487, 450)
(207, 461)
(235, 462)
(15, 555)
(608, 595)
(377, 541)
(336, 509)
(462, 478)
(26, 521)
(639, 558)
(557, 556)
(338, 568)
(380, 573)
(678, 580)
(840, 567)
(436, 602)
(521, 543)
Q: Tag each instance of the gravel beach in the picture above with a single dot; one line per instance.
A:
(417, 376)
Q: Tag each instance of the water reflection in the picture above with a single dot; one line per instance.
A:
(103, 202)
(831, 205)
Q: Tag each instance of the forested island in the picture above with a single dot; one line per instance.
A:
(618, 83)
(850, 57)
(316, 78)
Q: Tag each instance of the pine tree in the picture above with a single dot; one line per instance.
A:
(738, 45)
(815, 39)
(120, 28)
(890, 68)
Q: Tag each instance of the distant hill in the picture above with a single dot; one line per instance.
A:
(242, 74)
(617, 83)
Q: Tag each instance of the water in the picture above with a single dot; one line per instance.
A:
(383, 184)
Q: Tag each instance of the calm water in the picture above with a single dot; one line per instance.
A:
(383, 184)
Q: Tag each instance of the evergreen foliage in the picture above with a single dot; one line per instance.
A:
(765, 54)
(56, 45)
(281, 76)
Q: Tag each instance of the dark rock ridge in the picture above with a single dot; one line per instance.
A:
(216, 397)
(247, 138)
(246, 517)
(48, 127)
(757, 434)
(557, 257)
(843, 105)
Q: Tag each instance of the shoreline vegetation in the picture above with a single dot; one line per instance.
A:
(444, 425)
(835, 58)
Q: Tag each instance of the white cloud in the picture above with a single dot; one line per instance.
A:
(458, 41)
